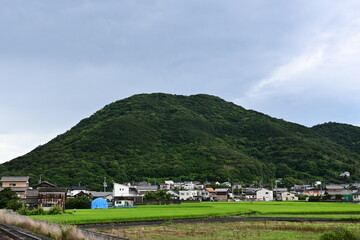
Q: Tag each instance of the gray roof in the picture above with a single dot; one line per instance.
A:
(147, 188)
(100, 194)
(221, 190)
(15, 179)
(32, 193)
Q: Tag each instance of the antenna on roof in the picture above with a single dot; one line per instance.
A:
(40, 179)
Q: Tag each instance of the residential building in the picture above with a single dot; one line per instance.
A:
(126, 192)
(18, 184)
(222, 194)
(72, 191)
(264, 195)
(143, 189)
(356, 196)
(285, 196)
(50, 195)
(190, 195)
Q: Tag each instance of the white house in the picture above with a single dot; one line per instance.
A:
(356, 196)
(286, 196)
(264, 195)
(126, 192)
(190, 195)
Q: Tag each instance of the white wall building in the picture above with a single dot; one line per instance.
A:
(190, 195)
(264, 195)
(286, 196)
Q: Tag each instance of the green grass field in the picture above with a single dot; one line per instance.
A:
(193, 210)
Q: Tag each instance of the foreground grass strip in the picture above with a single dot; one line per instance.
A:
(233, 230)
(196, 210)
(50, 230)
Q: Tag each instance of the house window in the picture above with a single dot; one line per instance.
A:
(12, 184)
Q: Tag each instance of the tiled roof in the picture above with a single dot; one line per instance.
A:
(147, 188)
(32, 193)
(15, 179)
(100, 194)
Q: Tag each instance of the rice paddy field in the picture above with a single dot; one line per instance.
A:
(197, 210)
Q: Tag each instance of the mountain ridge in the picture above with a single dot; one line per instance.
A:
(196, 137)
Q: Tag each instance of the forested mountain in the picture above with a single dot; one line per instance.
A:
(198, 137)
(343, 134)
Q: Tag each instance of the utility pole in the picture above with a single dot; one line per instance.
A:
(104, 184)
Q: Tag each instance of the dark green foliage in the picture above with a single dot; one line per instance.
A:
(159, 195)
(13, 204)
(8, 199)
(343, 134)
(78, 203)
(55, 210)
(340, 234)
(23, 210)
(199, 137)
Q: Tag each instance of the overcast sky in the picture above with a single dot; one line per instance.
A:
(61, 61)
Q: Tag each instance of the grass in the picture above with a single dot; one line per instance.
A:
(194, 210)
(50, 230)
(230, 231)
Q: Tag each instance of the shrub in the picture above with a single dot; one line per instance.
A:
(54, 210)
(78, 203)
(13, 204)
(38, 211)
(340, 234)
(23, 210)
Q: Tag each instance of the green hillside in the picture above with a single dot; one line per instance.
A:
(343, 134)
(199, 137)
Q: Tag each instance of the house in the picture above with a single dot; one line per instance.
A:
(285, 196)
(126, 192)
(212, 193)
(313, 192)
(174, 194)
(83, 194)
(31, 198)
(190, 195)
(222, 194)
(18, 184)
(256, 194)
(249, 194)
(108, 196)
(143, 189)
(264, 195)
(356, 196)
(72, 191)
(50, 195)
(205, 195)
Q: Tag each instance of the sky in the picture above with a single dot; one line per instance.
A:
(62, 60)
